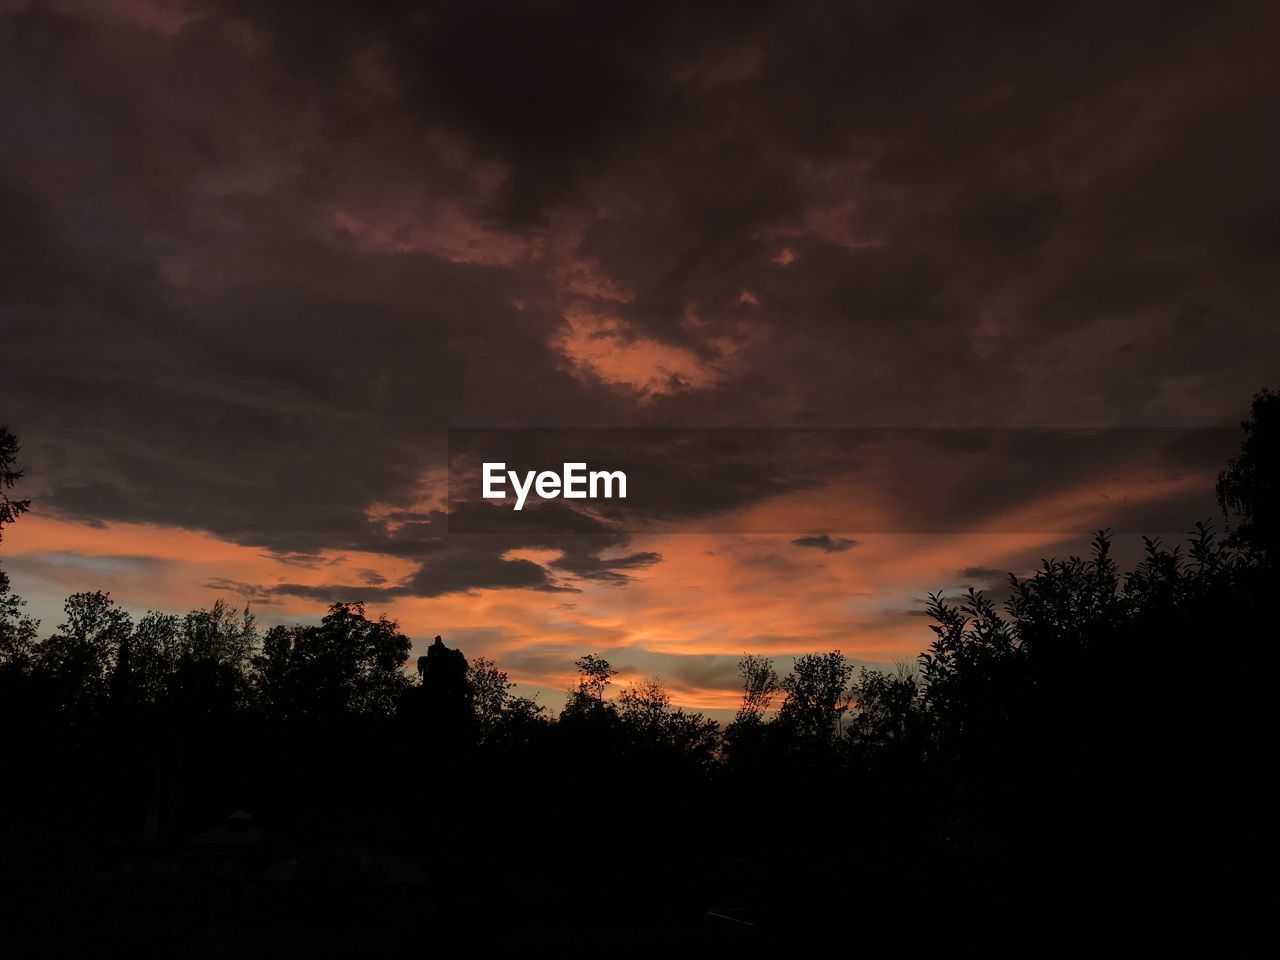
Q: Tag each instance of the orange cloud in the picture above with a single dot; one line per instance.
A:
(169, 567)
(712, 596)
(606, 348)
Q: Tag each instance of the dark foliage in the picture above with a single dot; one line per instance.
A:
(10, 510)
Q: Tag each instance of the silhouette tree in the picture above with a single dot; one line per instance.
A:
(213, 650)
(10, 510)
(643, 706)
(692, 736)
(746, 736)
(974, 664)
(595, 674)
(888, 709)
(151, 657)
(80, 657)
(652, 727)
(817, 696)
(520, 723)
(1249, 489)
(17, 631)
(489, 692)
(348, 665)
(272, 670)
(760, 685)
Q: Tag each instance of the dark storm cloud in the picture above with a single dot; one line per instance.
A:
(589, 566)
(258, 255)
(251, 592)
(457, 571)
(459, 563)
(555, 91)
(826, 543)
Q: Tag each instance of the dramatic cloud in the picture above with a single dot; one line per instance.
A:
(826, 543)
(258, 256)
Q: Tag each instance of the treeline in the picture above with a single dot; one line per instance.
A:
(100, 666)
(1089, 764)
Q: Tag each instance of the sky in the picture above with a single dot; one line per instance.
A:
(259, 257)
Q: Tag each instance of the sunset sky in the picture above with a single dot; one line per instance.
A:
(260, 256)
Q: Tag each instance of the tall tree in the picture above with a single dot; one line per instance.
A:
(17, 631)
(760, 685)
(643, 707)
(489, 690)
(347, 665)
(888, 709)
(214, 647)
(81, 656)
(586, 701)
(1249, 489)
(817, 696)
(10, 510)
(144, 673)
(595, 673)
